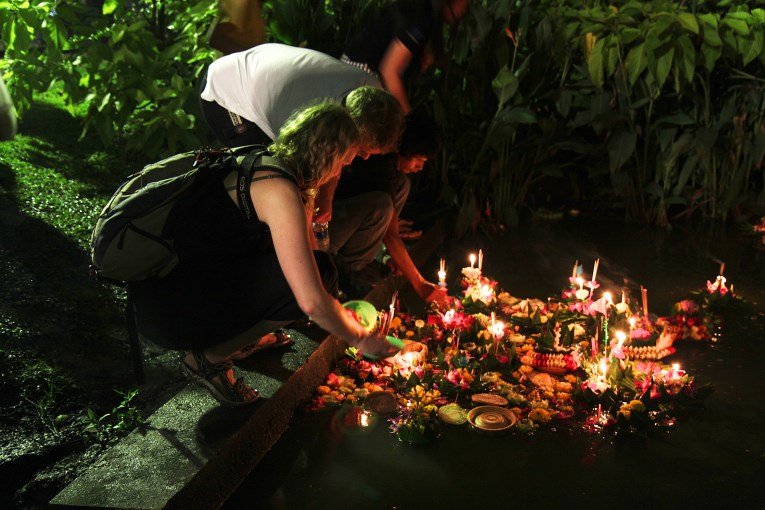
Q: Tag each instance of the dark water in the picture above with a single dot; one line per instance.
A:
(711, 458)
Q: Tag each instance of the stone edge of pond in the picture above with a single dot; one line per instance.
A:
(167, 463)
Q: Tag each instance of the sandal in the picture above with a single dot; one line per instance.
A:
(218, 379)
(282, 339)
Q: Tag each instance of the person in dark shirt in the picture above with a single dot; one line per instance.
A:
(401, 39)
(366, 207)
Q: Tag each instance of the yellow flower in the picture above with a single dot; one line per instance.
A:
(409, 333)
(637, 406)
(525, 369)
(419, 323)
(539, 415)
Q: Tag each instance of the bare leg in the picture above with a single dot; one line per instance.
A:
(220, 352)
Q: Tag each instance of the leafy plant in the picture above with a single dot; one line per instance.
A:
(135, 65)
(122, 419)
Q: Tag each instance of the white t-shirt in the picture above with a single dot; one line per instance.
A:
(269, 82)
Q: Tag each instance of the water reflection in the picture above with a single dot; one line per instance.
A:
(716, 454)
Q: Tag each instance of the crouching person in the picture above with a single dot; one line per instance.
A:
(236, 279)
(366, 207)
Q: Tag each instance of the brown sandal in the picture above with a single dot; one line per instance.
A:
(218, 379)
(283, 339)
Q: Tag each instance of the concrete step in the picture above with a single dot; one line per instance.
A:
(193, 453)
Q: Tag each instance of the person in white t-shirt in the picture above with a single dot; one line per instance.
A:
(246, 97)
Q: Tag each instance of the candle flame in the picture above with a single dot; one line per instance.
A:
(608, 297)
(603, 366)
(364, 419)
(632, 322)
(621, 337)
(675, 366)
(472, 260)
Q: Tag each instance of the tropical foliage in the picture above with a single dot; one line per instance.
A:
(656, 107)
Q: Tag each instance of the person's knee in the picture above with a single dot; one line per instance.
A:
(380, 207)
(327, 270)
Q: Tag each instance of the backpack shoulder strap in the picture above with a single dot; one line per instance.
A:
(256, 160)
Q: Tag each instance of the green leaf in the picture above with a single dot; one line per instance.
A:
(595, 64)
(688, 22)
(710, 20)
(753, 48)
(687, 58)
(519, 116)
(663, 66)
(636, 62)
(621, 145)
(628, 35)
(505, 85)
(711, 35)
(710, 54)
(738, 25)
(109, 7)
(612, 61)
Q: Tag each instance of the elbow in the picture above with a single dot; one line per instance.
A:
(310, 307)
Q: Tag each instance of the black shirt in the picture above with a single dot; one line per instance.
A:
(413, 22)
(378, 173)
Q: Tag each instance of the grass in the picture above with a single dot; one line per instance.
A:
(63, 347)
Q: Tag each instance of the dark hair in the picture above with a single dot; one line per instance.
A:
(378, 117)
(313, 138)
(420, 136)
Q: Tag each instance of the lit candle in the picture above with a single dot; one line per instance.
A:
(472, 260)
(624, 300)
(722, 268)
(617, 351)
(674, 373)
(480, 260)
(580, 281)
(632, 321)
(442, 274)
(595, 270)
(644, 294)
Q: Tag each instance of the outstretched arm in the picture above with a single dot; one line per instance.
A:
(278, 204)
(401, 259)
(392, 67)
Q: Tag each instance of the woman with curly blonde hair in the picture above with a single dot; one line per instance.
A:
(230, 286)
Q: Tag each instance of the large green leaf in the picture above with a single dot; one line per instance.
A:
(621, 145)
(753, 47)
(595, 64)
(663, 66)
(688, 22)
(613, 60)
(636, 62)
(710, 55)
(505, 85)
(109, 7)
(686, 57)
(711, 34)
(739, 25)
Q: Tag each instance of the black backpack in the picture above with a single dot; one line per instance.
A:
(130, 240)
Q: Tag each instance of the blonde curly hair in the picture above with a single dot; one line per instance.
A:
(313, 139)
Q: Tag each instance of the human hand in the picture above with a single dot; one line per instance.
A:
(375, 346)
(432, 293)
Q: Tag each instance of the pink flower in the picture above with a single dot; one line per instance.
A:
(639, 334)
(687, 306)
(600, 306)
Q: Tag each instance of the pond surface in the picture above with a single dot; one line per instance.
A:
(714, 457)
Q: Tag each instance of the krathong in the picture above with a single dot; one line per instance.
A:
(577, 361)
